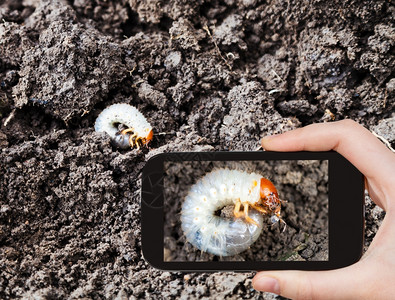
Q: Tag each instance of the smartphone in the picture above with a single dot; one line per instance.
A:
(244, 211)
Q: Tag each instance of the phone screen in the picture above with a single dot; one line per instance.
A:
(302, 187)
(209, 211)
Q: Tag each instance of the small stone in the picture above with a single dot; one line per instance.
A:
(391, 85)
(386, 129)
(173, 60)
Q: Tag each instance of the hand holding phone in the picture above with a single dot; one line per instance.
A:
(227, 211)
(373, 276)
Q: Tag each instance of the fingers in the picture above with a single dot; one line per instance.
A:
(352, 141)
(371, 278)
(346, 137)
(336, 284)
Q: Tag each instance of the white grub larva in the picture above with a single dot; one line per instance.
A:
(128, 116)
(217, 189)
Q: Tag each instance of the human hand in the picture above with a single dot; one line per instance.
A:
(373, 277)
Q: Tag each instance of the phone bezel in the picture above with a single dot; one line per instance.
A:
(346, 212)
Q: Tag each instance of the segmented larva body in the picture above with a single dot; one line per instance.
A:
(222, 187)
(129, 116)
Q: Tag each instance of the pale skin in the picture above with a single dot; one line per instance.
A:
(373, 277)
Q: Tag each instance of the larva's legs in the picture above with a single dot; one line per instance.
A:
(281, 220)
(285, 224)
(260, 209)
(239, 214)
(247, 218)
(236, 211)
(131, 140)
(136, 142)
(127, 130)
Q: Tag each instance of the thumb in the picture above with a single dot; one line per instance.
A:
(335, 284)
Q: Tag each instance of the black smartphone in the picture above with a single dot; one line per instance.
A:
(243, 211)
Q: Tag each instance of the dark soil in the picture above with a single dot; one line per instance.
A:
(208, 75)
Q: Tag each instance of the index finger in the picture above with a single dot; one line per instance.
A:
(348, 138)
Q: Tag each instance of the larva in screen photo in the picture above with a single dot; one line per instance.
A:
(221, 236)
(264, 210)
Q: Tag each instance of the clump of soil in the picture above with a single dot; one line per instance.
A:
(208, 75)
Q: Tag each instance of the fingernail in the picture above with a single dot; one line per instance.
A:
(269, 137)
(267, 284)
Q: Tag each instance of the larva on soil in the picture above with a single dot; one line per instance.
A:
(217, 235)
(129, 116)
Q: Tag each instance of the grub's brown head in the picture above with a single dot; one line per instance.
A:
(269, 199)
(148, 137)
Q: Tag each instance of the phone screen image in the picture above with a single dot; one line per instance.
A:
(302, 234)
(205, 211)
